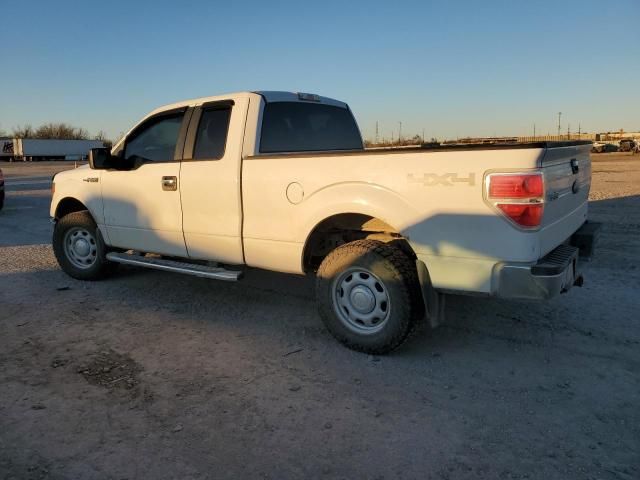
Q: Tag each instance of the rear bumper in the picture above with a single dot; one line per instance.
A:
(553, 274)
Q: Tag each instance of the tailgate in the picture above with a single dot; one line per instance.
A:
(567, 180)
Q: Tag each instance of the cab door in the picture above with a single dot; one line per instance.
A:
(141, 196)
(211, 181)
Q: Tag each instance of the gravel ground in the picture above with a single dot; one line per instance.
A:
(154, 375)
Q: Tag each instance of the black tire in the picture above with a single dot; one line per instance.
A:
(96, 265)
(393, 274)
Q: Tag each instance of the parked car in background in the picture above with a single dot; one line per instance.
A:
(1, 189)
(629, 145)
(603, 147)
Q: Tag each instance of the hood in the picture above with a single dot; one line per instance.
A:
(74, 173)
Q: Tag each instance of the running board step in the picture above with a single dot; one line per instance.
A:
(216, 273)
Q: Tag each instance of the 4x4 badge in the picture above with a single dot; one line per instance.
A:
(446, 179)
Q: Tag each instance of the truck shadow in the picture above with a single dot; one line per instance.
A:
(289, 299)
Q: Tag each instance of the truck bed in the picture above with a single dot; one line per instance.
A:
(428, 147)
(434, 195)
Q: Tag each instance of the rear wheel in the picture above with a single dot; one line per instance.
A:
(78, 247)
(368, 296)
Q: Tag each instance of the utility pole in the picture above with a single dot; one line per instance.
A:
(534, 131)
(400, 134)
(579, 130)
(376, 131)
(568, 131)
(423, 135)
(559, 116)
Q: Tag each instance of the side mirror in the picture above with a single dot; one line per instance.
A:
(99, 158)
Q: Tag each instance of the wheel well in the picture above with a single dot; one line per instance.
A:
(69, 205)
(344, 228)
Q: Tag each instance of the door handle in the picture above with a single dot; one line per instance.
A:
(169, 183)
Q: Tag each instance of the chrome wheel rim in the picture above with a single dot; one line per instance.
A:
(80, 247)
(361, 301)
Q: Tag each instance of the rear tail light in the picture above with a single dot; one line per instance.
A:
(515, 186)
(517, 196)
(524, 215)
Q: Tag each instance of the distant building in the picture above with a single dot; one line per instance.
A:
(603, 137)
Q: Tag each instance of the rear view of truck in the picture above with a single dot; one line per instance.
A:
(550, 202)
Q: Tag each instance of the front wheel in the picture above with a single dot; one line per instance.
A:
(368, 296)
(78, 247)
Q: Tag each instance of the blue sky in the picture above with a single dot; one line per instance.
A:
(454, 68)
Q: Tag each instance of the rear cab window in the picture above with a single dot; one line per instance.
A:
(307, 127)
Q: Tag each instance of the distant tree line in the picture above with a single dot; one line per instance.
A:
(59, 131)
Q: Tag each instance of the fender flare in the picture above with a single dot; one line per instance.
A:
(69, 201)
(354, 197)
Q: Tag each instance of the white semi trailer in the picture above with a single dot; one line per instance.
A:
(31, 149)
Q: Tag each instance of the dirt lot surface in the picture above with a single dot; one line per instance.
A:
(154, 375)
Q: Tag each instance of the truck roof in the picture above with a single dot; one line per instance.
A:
(268, 95)
(277, 96)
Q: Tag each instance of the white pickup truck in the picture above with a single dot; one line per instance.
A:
(281, 181)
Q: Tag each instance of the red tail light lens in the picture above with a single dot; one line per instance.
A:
(516, 186)
(525, 215)
(519, 197)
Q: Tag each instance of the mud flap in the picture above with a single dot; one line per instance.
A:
(432, 299)
(585, 239)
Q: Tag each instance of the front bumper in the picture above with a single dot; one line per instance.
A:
(553, 274)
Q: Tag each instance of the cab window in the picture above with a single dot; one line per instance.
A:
(303, 127)
(211, 137)
(155, 140)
